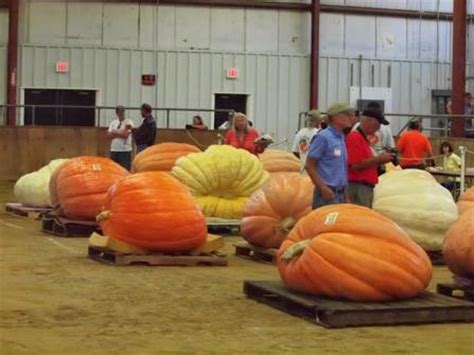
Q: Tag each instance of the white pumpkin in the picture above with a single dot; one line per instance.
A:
(33, 189)
(418, 203)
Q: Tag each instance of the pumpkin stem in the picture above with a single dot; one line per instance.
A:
(103, 216)
(295, 250)
(287, 224)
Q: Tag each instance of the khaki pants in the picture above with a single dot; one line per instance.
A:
(361, 194)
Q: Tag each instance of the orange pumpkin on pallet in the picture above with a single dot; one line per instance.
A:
(352, 252)
(272, 211)
(466, 201)
(79, 185)
(161, 157)
(458, 247)
(279, 161)
(154, 211)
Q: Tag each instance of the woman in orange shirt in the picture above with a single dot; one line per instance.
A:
(241, 135)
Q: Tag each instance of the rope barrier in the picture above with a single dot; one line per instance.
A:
(424, 159)
(285, 141)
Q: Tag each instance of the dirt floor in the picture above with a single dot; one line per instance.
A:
(55, 300)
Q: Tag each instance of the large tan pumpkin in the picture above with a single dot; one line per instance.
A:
(458, 248)
(418, 203)
(466, 200)
(279, 161)
(271, 212)
(161, 157)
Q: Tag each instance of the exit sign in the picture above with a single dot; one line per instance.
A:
(232, 73)
(62, 67)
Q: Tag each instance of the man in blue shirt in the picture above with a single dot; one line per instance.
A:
(327, 158)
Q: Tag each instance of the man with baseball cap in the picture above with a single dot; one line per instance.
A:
(326, 163)
(362, 164)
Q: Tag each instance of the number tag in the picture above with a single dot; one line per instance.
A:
(331, 218)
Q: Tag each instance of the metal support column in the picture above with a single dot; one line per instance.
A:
(314, 70)
(459, 65)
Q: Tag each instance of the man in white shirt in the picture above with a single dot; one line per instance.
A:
(305, 135)
(120, 130)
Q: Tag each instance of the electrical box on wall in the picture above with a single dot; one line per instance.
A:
(360, 97)
(148, 79)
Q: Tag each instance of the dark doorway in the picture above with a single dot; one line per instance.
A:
(236, 102)
(362, 104)
(52, 116)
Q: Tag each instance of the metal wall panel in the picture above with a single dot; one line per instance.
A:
(278, 85)
(3, 75)
(121, 24)
(193, 27)
(423, 5)
(411, 81)
(3, 25)
(262, 31)
(134, 25)
(386, 38)
(359, 36)
(331, 34)
(294, 32)
(84, 23)
(46, 21)
(391, 38)
(228, 29)
(166, 27)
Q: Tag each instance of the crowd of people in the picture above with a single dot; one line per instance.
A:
(343, 152)
(240, 134)
(121, 130)
(345, 159)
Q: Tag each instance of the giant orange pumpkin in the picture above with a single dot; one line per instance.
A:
(80, 184)
(153, 210)
(352, 252)
(161, 157)
(279, 161)
(271, 212)
(466, 201)
(458, 248)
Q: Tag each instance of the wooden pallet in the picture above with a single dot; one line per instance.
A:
(253, 252)
(115, 258)
(457, 291)
(223, 226)
(64, 227)
(436, 257)
(427, 308)
(18, 209)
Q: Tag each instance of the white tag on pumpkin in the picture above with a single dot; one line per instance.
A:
(331, 218)
(96, 167)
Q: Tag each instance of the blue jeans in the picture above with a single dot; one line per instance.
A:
(141, 147)
(122, 158)
(319, 201)
(451, 185)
